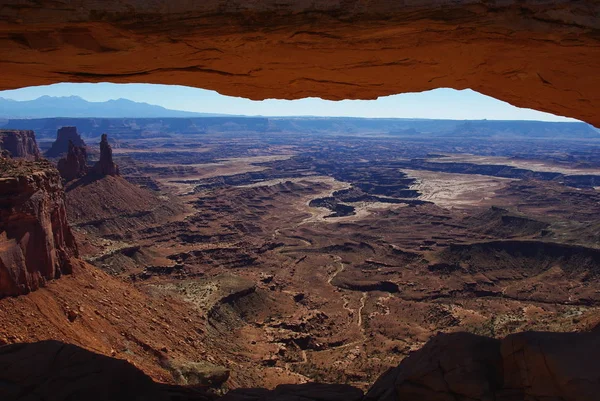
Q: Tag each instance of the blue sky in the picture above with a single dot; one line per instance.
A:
(438, 103)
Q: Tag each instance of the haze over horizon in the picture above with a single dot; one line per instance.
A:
(442, 103)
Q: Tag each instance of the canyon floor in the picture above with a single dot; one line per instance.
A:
(329, 258)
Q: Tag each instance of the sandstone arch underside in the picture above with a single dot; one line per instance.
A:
(538, 54)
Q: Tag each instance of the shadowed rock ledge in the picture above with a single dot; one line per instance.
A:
(530, 366)
(54, 371)
(523, 366)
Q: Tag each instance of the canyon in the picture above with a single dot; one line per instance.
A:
(255, 265)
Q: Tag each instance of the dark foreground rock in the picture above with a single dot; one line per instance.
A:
(531, 366)
(297, 392)
(54, 371)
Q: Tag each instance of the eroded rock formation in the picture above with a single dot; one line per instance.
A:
(105, 166)
(537, 54)
(64, 137)
(19, 144)
(74, 164)
(36, 243)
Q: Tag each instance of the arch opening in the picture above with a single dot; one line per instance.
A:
(260, 251)
(293, 248)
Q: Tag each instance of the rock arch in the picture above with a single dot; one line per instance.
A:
(543, 54)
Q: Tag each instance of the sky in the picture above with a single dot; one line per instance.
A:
(440, 103)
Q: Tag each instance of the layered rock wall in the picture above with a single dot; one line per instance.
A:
(36, 243)
(19, 144)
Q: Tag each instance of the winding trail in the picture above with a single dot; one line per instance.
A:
(338, 271)
(363, 300)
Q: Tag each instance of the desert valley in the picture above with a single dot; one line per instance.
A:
(223, 253)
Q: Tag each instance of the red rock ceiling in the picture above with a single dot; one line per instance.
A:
(538, 54)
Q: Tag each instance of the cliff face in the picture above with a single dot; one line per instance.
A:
(19, 144)
(36, 243)
(65, 136)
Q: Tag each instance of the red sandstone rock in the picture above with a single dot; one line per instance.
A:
(64, 136)
(36, 243)
(537, 54)
(19, 144)
(74, 165)
(105, 166)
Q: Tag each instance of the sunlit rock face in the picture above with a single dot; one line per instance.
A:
(538, 54)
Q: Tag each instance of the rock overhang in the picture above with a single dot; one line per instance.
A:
(538, 54)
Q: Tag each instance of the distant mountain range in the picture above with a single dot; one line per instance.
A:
(124, 118)
(74, 106)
